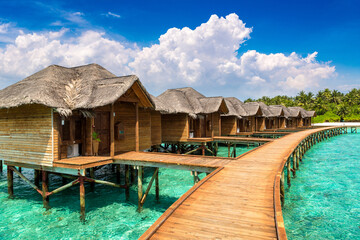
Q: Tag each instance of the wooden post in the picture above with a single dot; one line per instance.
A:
(196, 177)
(45, 189)
(10, 180)
(234, 150)
(297, 158)
(229, 153)
(216, 148)
(112, 132)
(137, 145)
(127, 182)
(282, 188)
(294, 160)
(19, 169)
(157, 190)
(82, 199)
(37, 177)
(1, 166)
(288, 165)
(92, 175)
(203, 149)
(140, 188)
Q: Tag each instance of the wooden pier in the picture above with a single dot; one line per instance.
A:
(241, 200)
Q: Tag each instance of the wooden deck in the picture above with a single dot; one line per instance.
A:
(83, 162)
(169, 160)
(235, 202)
(242, 139)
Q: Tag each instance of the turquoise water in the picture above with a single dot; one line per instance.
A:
(324, 199)
(108, 215)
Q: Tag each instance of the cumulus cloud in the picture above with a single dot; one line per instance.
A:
(34, 51)
(193, 56)
(206, 57)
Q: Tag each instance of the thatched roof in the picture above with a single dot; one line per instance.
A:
(188, 100)
(253, 109)
(162, 107)
(276, 111)
(67, 89)
(303, 112)
(235, 107)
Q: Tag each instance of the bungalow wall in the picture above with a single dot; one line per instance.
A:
(26, 135)
(260, 123)
(155, 128)
(228, 125)
(282, 122)
(174, 127)
(217, 124)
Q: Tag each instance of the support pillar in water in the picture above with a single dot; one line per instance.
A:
(45, 189)
(127, 182)
(82, 199)
(10, 180)
(140, 188)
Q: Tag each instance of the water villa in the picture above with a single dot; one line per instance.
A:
(72, 121)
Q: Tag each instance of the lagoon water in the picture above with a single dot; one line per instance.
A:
(324, 199)
(108, 215)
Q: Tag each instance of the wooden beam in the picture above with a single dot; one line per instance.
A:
(137, 142)
(45, 189)
(82, 199)
(157, 189)
(25, 179)
(127, 182)
(149, 187)
(112, 132)
(10, 180)
(140, 188)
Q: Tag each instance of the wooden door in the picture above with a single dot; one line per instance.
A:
(102, 127)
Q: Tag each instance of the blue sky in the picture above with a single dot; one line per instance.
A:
(330, 28)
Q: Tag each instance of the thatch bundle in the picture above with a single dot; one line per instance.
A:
(66, 89)
(188, 100)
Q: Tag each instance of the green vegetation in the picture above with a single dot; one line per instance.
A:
(330, 106)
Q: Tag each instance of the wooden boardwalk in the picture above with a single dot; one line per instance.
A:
(234, 202)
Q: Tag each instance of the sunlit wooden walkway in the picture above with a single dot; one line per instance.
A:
(234, 202)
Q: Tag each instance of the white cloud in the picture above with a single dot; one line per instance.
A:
(205, 57)
(34, 51)
(110, 14)
(4, 27)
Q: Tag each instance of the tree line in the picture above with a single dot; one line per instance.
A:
(329, 105)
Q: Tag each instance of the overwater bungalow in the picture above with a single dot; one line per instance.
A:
(255, 119)
(233, 122)
(187, 114)
(53, 114)
(274, 116)
(305, 120)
